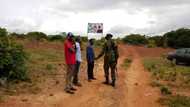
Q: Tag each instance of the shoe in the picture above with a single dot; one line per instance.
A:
(93, 78)
(89, 80)
(106, 82)
(73, 89)
(69, 92)
(113, 84)
(78, 84)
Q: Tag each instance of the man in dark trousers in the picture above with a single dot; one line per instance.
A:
(90, 60)
(110, 52)
(78, 62)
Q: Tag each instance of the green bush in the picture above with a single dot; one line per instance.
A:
(37, 36)
(135, 39)
(165, 90)
(12, 59)
(158, 41)
(151, 44)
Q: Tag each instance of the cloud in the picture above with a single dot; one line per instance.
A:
(20, 25)
(118, 16)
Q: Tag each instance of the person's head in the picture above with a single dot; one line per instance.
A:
(78, 39)
(91, 41)
(70, 36)
(108, 36)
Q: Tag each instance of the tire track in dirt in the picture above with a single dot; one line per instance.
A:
(140, 93)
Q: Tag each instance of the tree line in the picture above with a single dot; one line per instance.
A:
(13, 57)
(179, 38)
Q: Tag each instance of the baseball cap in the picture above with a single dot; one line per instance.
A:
(70, 34)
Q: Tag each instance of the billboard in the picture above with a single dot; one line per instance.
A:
(95, 27)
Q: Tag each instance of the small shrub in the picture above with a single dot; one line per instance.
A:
(49, 67)
(176, 101)
(127, 62)
(151, 44)
(165, 90)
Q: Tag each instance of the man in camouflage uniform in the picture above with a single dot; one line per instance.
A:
(110, 52)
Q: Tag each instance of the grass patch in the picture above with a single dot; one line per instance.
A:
(165, 90)
(43, 60)
(1, 99)
(42, 63)
(162, 69)
(127, 62)
(176, 101)
(168, 76)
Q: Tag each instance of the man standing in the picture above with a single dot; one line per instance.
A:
(90, 60)
(111, 55)
(70, 58)
(78, 62)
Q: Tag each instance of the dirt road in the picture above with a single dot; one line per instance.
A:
(132, 89)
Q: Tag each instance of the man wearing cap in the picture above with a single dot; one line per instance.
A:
(110, 52)
(70, 59)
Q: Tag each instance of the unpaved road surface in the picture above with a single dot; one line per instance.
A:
(132, 89)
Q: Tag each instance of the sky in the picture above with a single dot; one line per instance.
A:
(120, 17)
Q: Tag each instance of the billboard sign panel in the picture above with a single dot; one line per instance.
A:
(95, 27)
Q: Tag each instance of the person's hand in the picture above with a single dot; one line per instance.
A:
(95, 58)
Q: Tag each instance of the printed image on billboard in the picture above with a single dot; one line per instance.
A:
(95, 27)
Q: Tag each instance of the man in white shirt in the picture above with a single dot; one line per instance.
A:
(78, 62)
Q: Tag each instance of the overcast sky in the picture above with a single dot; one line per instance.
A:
(120, 17)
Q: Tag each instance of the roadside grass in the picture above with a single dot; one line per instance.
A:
(162, 69)
(1, 99)
(175, 101)
(42, 64)
(169, 77)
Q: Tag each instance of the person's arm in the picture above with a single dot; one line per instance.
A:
(71, 48)
(116, 52)
(101, 53)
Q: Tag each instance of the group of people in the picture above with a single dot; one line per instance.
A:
(73, 59)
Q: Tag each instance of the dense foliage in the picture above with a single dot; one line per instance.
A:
(12, 58)
(135, 39)
(179, 38)
(36, 36)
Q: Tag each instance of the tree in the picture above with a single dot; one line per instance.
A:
(135, 39)
(36, 36)
(158, 40)
(179, 38)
